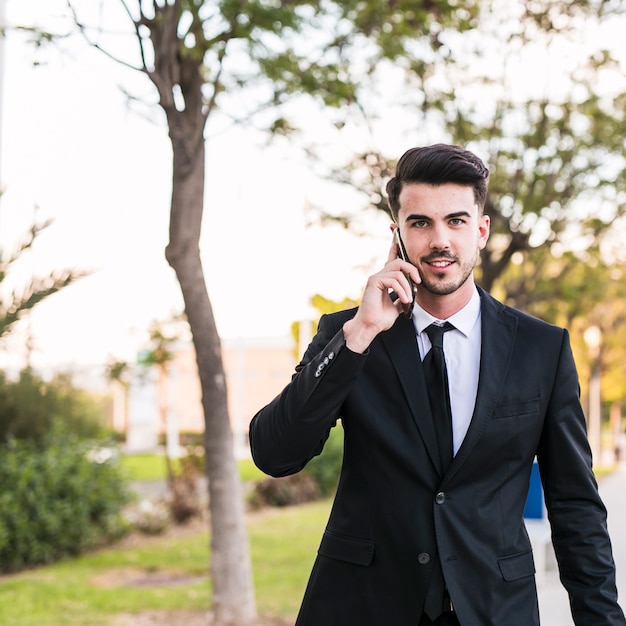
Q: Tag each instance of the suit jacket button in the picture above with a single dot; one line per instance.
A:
(423, 558)
(440, 498)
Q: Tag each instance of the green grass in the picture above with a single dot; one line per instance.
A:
(151, 467)
(93, 589)
(87, 591)
(249, 471)
(284, 543)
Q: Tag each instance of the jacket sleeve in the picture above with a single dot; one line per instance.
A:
(576, 513)
(292, 429)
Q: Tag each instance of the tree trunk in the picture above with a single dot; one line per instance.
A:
(231, 571)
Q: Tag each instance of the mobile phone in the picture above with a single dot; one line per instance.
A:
(407, 308)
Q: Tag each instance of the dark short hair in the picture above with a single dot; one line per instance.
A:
(437, 165)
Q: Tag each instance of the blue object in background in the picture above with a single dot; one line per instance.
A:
(534, 501)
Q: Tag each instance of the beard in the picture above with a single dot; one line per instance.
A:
(441, 284)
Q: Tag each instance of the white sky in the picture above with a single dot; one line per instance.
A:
(71, 147)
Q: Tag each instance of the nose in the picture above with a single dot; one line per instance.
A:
(439, 237)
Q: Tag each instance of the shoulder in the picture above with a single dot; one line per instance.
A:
(492, 307)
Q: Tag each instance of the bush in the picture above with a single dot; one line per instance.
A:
(326, 467)
(59, 498)
(318, 479)
(184, 500)
(30, 407)
(294, 489)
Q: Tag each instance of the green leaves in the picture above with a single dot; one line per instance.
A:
(245, 50)
(21, 300)
(55, 501)
(31, 407)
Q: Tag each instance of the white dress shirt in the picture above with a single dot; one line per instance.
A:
(461, 347)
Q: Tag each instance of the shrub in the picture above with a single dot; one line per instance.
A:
(294, 489)
(58, 499)
(30, 407)
(318, 479)
(326, 467)
(184, 500)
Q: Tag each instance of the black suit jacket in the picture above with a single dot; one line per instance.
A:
(394, 513)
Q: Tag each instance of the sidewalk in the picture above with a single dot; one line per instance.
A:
(553, 602)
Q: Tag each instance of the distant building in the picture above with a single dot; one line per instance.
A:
(256, 371)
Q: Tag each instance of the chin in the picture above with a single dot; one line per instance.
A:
(443, 287)
(444, 290)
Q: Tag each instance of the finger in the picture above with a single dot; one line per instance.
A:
(393, 253)
(399, 288)
(406, 266)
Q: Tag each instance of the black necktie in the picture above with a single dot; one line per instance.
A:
(437, 382)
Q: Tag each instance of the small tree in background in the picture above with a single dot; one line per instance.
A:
(118, 374)
(14, 305)
(553, 143)
(181, 473)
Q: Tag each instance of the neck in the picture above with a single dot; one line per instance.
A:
(444, 306)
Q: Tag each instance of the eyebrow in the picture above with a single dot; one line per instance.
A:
(449, 216)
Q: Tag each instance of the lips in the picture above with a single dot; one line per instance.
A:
(440, 264)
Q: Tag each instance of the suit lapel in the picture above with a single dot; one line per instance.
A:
(498, 330)
(400, 341)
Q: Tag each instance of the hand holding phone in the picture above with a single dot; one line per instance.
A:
(378, 311)
(407, 308)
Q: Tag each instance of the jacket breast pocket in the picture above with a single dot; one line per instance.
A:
(517, 566)
(517, 409)
(349, 549)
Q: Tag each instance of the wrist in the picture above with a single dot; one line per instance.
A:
(358, 337)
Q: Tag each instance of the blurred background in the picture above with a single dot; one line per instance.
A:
(305, 108)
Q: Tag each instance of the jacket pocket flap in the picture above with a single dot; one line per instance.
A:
(515, 409)
(342, 548)
(517, 566)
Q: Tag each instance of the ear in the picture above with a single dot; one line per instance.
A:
(484, 223)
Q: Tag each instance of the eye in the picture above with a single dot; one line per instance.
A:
(457, 221)
(419, 224)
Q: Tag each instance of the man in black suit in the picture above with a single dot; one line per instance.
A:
(427, 523)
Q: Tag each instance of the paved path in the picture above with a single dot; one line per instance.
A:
(553, 601)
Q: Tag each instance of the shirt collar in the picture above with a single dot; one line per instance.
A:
(463, 320)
